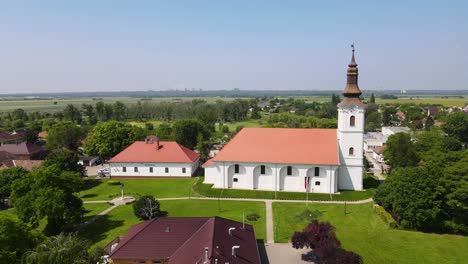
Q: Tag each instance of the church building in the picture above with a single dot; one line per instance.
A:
(297, 159)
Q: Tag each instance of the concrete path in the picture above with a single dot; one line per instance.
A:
(270, 235)
(115, 203)
(376, 169)
(280, 253)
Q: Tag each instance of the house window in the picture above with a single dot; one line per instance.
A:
(317, 183)
(236, 168)
(183, 170)
(151, 169)
(235, 180)
(317, 171)
(262, 169)
(289, 170)
(351, 151)
(124, 169)
(135, 169)
(166, 170)
(352, 121)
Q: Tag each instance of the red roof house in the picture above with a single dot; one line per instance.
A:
(154, 158)
(187, 240)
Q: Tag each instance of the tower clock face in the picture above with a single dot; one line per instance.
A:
(353, 108)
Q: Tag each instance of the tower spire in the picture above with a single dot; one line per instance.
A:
(351, 91)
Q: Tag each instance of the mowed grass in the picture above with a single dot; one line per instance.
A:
(208, 191)
(362, 231)
(94, 209)
(159, 188)
(118, 221)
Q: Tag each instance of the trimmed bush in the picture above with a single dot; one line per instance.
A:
(113, 182)
(253, 217)
(385, 216)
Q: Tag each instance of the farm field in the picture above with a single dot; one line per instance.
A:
(362, 231)
(159, 188)
(118, 221)
(59, 103)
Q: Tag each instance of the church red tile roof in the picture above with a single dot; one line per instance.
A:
(183, 240)
(281, 145)
(168, 152)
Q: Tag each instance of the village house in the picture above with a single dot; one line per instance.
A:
(23, 151)
(305, 160)
(154, 158)
(204, 240)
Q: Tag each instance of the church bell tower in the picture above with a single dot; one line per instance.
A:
(350, 131)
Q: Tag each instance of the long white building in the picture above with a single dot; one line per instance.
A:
(288, 159)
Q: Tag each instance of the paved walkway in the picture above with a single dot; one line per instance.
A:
(376, 169)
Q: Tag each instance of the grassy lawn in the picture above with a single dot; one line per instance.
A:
(119, 220)
(159, 188)
(207, 190)
(94, 209)
(363, 232)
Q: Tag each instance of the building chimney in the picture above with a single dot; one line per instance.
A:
(157, 143)
(234, 250)
(207, 259)
(230, 230)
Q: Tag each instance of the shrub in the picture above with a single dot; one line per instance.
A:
(147, 208)
(385, 216)
(253, 217)
(113, 182)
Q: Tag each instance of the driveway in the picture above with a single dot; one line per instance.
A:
(281, 253)
(92, 170)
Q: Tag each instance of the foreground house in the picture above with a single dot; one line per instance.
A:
(203, 240)
(288, 159)
(154, 158)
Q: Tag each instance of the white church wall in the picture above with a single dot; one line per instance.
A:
(144, 169)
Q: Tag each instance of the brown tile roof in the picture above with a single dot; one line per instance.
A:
(169, 152)
(21, 148)
(183, 240)
(282, 145)
(6, 137)
(27, 164)
(380, 150)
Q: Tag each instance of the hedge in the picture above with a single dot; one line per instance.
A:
(385, 216)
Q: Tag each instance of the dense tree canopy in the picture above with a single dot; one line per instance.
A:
(400, 151)
(456, 126)
(65, 160)
(16, 238)
(7, 177)
(64, 135)
(49, 193)
(186, 132)
(109, 138)
(63, 248)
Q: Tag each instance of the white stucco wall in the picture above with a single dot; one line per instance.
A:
(222, 175)
(159, 169)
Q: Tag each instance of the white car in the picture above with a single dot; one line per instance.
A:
(103, 171)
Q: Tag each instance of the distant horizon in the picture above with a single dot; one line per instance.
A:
(54, 46)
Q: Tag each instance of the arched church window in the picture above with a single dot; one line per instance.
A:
(289, 170)
(317, 171)
(351, 151)
(262, 169)
(352, 121)
(236, 168)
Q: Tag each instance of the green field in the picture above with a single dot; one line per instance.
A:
(433, 100)
(362, 231)
(159, 188)
(118, 221)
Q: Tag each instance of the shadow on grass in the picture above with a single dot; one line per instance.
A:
(89, 195)
(91, 183)
(95, 232)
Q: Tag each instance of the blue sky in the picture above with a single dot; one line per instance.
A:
(113, 45)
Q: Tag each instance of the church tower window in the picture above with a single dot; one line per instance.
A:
(351, 151)
(352, 121)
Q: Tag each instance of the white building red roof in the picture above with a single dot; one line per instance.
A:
(148, 152)
(281, 145)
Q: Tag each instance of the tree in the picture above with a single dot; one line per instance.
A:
(65, 160)
(7, 177)
(387, 116)
(16, 238)
(63, 248)
(186, 132)
(456, 125)
(49, 193)
(164, 131)
(147, 208)
(64, 135)
(256, 112)
(429, 123)
(109, 138)
(321, 237)
(372, 99)
(88, 110)
(149, 126)
(203, 147)
(400, 151)
(72, 113)
(335, 99)
(119, 111)
(411, 195)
